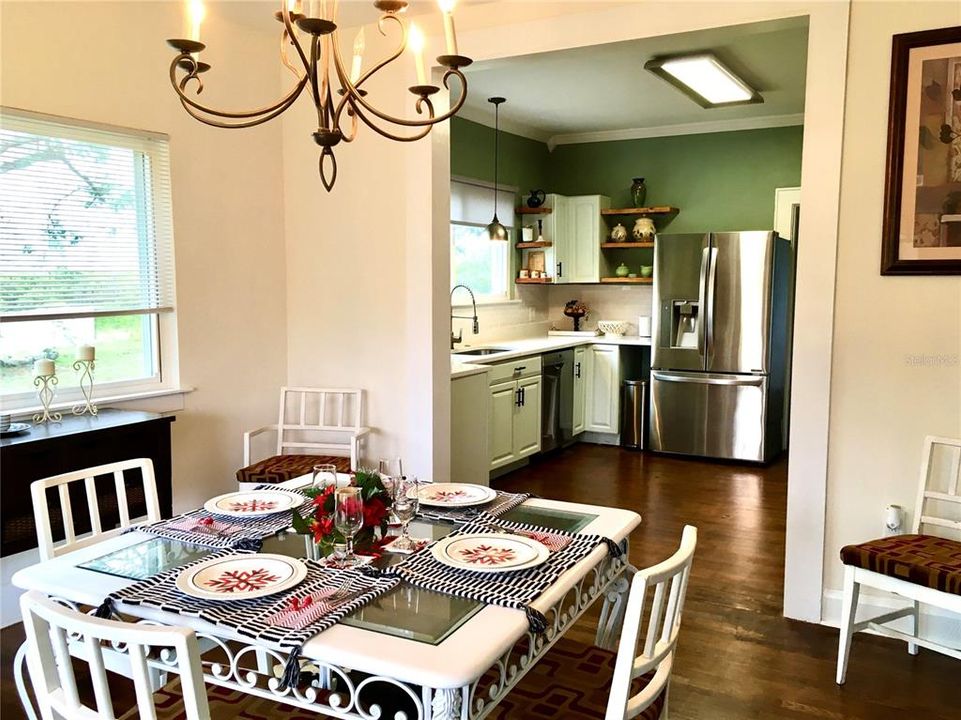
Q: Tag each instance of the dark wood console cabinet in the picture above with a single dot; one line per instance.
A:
(74, 444)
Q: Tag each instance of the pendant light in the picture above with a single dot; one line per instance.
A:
(496, 231)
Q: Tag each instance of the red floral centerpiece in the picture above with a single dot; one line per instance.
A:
(319, 520)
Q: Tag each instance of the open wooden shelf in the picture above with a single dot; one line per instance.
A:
(619, 245)
(534, 281)
(529, 245)
(655, 210)
(524, 210)
(628, 280)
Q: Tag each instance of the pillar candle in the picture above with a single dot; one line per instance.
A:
(44, 367)
(86, 352)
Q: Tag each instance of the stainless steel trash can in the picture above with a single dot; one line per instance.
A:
(633, 411)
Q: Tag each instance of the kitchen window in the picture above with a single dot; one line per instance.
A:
(86, 255)
(484, 266)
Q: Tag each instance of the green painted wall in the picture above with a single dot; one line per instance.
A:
(523, 162)
(720, 181)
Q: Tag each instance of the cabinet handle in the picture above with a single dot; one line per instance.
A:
(523, 396)
(518, 397)
(577, 370)
(560, 269)
(520, 368)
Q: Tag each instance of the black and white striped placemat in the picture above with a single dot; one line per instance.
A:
(501, 504)
(508, 589)
(249, 617)
(246, 533)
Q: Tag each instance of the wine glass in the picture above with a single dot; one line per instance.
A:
(348, 519)
(406, 503)
(324, 475)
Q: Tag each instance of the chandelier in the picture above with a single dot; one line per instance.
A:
(309, 48)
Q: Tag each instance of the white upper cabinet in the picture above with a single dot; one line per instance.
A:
(576, 228)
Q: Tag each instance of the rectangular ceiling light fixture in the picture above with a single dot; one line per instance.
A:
(704, 79)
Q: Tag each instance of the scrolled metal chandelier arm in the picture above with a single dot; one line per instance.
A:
(316, 57)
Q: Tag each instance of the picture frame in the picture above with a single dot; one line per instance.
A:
(921, 231)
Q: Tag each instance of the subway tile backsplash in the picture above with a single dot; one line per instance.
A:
(541, 308)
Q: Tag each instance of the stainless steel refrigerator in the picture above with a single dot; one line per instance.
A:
(719, 345)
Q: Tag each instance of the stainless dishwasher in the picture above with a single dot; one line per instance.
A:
(557, 407)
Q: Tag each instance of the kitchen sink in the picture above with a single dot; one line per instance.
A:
(480, 351)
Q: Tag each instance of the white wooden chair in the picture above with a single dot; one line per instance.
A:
(45, 540)
(891, 564)
(41, 509)
(311, 422)
(51, 630)
(668, 580)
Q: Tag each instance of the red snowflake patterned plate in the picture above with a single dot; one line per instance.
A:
(241, 577)
(254, 503)
(490, 552)
(454, 494)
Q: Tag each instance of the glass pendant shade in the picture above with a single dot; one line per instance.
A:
(496, 231)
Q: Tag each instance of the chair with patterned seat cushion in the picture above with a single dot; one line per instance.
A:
(924, 567)
(579, 682)
(315, 426)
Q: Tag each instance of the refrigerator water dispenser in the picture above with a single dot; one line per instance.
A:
(684, 319)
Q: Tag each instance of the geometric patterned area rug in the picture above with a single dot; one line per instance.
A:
(571, 682)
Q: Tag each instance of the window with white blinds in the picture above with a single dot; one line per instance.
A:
(85, 220)
(475, 260)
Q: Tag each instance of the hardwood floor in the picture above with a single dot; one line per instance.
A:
(737, 657)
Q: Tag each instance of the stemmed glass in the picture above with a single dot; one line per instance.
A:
(323, 476)
(348, 519)
(406, 503)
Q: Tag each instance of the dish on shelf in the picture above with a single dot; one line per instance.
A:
(612, 327)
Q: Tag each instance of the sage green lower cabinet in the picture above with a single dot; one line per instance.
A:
(514, 417)
(582, 375)
(469, 453)
(603, 392)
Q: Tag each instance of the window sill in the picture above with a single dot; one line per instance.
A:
(487, 303)
(160, 400)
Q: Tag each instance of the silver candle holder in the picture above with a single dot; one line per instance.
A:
(85, 368)
(46, 388)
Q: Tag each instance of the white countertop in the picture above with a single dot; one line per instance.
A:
(466, 365)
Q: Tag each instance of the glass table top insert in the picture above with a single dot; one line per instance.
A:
(406, 611)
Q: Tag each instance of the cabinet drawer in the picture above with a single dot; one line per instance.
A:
(515, 369)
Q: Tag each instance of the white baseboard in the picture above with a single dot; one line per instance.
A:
(10, 595)
(937, 625)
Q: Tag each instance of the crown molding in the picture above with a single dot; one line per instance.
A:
(697, 128)
(483, 117)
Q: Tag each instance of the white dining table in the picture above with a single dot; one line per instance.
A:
(460, 677)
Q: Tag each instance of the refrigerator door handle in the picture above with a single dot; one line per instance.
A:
(709, 310)
(705, 379)
(701, 304)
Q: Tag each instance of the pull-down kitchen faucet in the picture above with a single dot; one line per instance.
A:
(459, 337)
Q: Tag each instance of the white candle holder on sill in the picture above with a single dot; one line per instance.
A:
(85, 368)
(46, 388)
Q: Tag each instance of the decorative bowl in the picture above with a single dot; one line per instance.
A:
(612, 327)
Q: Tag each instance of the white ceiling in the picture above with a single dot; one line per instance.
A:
(603, 91)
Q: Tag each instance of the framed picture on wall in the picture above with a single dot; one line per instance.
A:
(922, 194)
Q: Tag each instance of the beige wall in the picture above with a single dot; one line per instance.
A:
(107, 62)
(883, 401)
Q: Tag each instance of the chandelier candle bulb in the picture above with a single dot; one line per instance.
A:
(416, 41)
(196, 12)
(44, 368)
(447, 7)
(356, 63)
(86, 352)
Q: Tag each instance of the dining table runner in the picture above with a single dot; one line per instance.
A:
(502, 503)
(201, 527)
(284, 621)
(512, 589)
